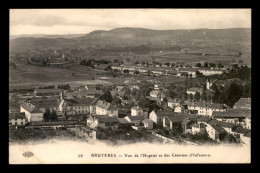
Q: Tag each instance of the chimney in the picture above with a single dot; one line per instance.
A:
(61, 96)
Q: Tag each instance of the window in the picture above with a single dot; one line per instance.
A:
(21, 123)
(15, 123)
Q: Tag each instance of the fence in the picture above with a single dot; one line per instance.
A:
(162, 137)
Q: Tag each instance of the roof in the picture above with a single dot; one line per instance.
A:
(45, 103)
(207, 105)
(222, 124)
(31, 108)
(174, 100)
(243, 103)
(241, 130)
(105, 105)
(199, 90)
(106, 119)
(204, 119)
(17, 115)
(136, 118)
(79, 102)
(48, 90)
(122, 121)
(218, 129)
(185, 121)
(49, 123)
(155, 92)
(137, 108)
(207, 69)
(201, 125)
(103, 66)
(232, 113)
(147, 120)
(179, 118)
(164, 113)
(188, 69)
(248, 134)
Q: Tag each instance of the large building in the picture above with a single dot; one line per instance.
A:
(205, 109)
(48, 92)
(75, 106)
(243, 103)
(32, 113)
(193, 91)
(99, 107)
(17, 119)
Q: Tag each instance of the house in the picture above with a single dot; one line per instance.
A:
(246, 138)
(228, 127)
(193, 91)
(135, 86)
(120, 93)
(48, 92)
(236, 116)
(137, 111)
(248, 122)
(75, 106)
(190, 71)
(155, 94)
(174, 102)
(203, 120)
(100, 107)
(240, 131)
(135, 120)
(205, 109)
(103, 121)
(243, 103)
(32, 113)
(158, 116)
(187, 125)
(104, 66)
(198, 128)
(179, 109)
(119, 88)
(44, 104)
(169, 122)
(209, 72)
(216, 132)
(210, 83)
(17, 118)
(148, 124)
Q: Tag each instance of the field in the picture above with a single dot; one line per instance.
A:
(33, 76)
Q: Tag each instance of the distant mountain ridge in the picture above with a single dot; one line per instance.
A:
(133, 37)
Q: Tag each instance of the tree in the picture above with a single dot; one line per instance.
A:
(184, 74)
(216, 96)
(233, 94)
(219, 65)
(198, 65)
(172, 65)
(106, 96)
(53, 116)
(46, 115)
(212, 65)
(197, 96)
(191, 97)
(116, 101)
(198, 74)
(206, 64)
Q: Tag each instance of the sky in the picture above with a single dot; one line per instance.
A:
(83, 21)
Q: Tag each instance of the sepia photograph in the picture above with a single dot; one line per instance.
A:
(130, 86)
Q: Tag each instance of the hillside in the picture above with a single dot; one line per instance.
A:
(133, 37)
